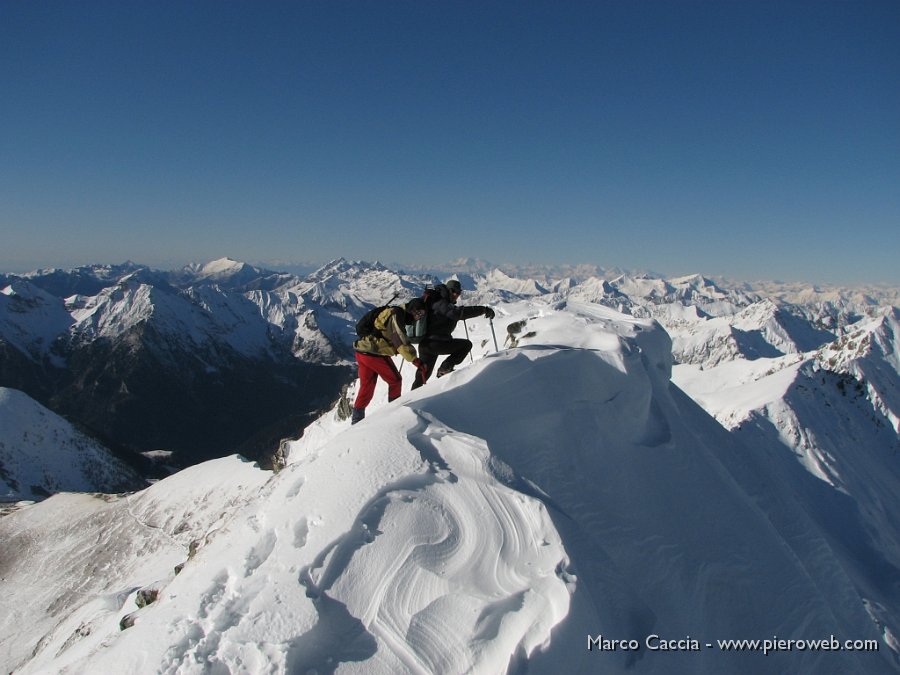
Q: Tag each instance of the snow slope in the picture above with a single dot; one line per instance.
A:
(70, 565)
(827, 423)
(41, 453)
(487, 523)
(31, 319)
(822, 404)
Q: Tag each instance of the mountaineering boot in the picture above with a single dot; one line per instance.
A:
(358, 414)
(444, 371)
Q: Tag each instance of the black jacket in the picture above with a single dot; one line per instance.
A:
(443, 315)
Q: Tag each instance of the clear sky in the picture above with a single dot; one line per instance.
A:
(753, 138)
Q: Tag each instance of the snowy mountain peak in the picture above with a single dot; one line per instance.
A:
(116, 309)
(870, 357)
(341, 267)
(594, 289)
(696, 281)
(498, 280)
(643, 287)
(226, 266)
(881, 333)
(84, 280)
(350, 287)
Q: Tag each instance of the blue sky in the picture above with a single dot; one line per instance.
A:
(758, 140)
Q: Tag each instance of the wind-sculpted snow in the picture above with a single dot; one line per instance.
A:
(405, 554)
(660, 537)
(449, 570)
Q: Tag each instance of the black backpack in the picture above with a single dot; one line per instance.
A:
(366, 325)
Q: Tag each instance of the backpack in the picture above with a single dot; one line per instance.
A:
(366, 325)
(416, 331)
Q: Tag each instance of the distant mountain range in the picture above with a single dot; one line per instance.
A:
(204, 361)
(226, 357)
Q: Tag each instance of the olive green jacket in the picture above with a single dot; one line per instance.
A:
(390, 337)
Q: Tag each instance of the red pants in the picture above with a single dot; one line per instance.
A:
(370, 367)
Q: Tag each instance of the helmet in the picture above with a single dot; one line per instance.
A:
(453, 285)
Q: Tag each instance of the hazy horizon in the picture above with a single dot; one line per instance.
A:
(305, 267)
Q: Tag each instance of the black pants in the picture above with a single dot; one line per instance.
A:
(430, 349)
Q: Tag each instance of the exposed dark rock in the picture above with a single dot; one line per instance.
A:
(146, 596)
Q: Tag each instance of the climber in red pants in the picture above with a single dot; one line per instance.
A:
(374, 352)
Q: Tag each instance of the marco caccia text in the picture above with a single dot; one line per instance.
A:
(654, 643)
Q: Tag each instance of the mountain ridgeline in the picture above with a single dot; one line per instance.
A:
(205, 362)
(226, 357)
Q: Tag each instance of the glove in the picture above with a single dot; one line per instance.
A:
(422, 368)
(489, 313)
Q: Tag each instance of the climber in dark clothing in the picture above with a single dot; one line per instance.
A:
(443, 315)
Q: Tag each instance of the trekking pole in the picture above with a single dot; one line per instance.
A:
(496, 348)
(471, 358)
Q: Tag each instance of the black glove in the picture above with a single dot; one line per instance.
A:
(489, 313)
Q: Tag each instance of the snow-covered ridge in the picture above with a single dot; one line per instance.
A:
(870, 355)
(835, 409)
(41, 454)
(485, 523)
(31, 319)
